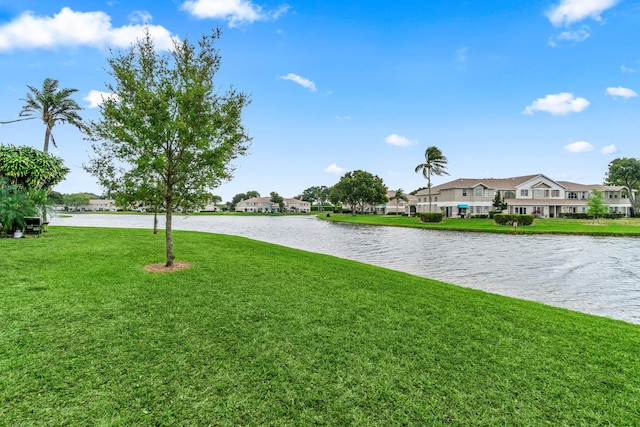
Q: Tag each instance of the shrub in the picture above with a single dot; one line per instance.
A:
(509, 219)
(431, 217)
(480, 216)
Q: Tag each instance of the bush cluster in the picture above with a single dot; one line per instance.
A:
(509, 219)
(586, 216)
(480, 216)
(431, 217)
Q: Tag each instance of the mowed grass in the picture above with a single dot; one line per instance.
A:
(257, 334)
(606, 227)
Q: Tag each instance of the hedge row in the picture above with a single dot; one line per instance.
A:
(586, 216)
(431, 216)
(509, 219)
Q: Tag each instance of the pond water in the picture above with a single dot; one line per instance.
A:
(597, 275)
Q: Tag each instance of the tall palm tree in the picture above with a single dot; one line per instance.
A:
(399, 196)
(434, 164)
(52, 105)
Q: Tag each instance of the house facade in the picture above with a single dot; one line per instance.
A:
(264, 204)
(398, 207)
(531, 194)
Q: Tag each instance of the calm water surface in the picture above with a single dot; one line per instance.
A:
(597, 275)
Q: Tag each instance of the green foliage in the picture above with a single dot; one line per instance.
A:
(509, 219)
(625, 172)
(435, 163)
(290, 338)
(31, 168)
(595, 205)
(317, 195)
(431, 216)
(167, 137)
(51, 105)
(15, 205)
(498, 202)
(358, 189)
(277, 200)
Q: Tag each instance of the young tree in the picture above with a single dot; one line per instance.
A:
(625, 172)
(498, 202)
(52, 105)
(359, 188)
(277, 199)
(595, 205)
(435, 163)
(168, 127)
(399, 195)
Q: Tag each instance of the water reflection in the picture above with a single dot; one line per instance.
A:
(597, 275)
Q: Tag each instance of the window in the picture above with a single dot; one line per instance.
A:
(509, 194)
(555, 193)
(524, 193)
(478, 191)
(464, 192)
(486, 192)
(572, 195)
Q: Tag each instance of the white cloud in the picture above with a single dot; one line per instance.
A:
(140, 16)
(69, 28)
(96, 97)
(570, 11)
(343, 117)
(334, 168)
(626, 69)
(609, 149)
(399, 141)
(306, 83)
(236, 12)
(558, 104)
(622, 92)
(575, 36)
(461, 54)
(579, 147)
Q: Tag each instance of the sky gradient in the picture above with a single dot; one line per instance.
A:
(503, 88)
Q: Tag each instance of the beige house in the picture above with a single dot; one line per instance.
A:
(531, 194)
(100, 205)
(264, 204)
(397, 207)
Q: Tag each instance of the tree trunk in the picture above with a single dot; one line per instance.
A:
(169, 236)
(155, 221)
(632, 200)
(47, 135)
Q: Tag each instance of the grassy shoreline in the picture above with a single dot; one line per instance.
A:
(259, 334)
(629, 227)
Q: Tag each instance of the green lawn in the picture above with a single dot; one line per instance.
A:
(257, 334)
(606, 227)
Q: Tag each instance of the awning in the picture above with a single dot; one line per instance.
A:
(463, 206)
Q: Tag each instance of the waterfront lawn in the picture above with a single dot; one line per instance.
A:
(605, 227)
(257, 334)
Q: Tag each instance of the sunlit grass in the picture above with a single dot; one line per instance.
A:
(257, 334)
(613, 227)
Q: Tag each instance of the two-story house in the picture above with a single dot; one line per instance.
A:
(264, 204)
(531, 194)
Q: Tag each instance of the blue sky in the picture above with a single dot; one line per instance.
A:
(503, 88)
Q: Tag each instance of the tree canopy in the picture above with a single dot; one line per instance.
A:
(316, 194)
(435, 163)
(358, 189)
(167, 134)
(595, 205)
(52, 105)
(30, 168)
(625, 172)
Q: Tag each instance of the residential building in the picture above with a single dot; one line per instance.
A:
(100, 205)
(264, 204)
(531, 194)
(398, 207)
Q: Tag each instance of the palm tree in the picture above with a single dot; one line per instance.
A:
(399, 196)
(435, 164)
(51, 105)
